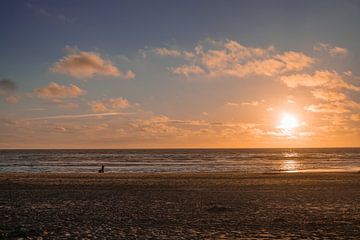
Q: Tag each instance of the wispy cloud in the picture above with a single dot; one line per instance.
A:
(253, 103)
(231, 104)
(333, 107)
(173, 53)
(332, 50)
(249, 103)
(79, 116)
(36, 109)
(328, 95)
(53, 13)
(323, 78)
(187, 70)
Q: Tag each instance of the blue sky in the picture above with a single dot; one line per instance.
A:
(129, 36)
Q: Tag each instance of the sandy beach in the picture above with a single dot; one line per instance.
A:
(180, 206)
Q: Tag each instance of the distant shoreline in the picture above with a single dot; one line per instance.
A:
(24, 178)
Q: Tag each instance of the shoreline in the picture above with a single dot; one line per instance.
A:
(302, 171)
(171, 175)
(183, 174)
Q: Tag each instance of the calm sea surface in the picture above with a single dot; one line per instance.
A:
(182, 160)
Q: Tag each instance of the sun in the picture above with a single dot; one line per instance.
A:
(288, 122)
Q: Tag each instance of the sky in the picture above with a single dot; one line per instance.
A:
(179, 74)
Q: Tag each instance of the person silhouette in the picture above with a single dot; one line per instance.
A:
(102, 170)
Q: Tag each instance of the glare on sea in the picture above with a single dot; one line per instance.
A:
(290, 165)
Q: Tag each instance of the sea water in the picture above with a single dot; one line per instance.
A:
(182, 160)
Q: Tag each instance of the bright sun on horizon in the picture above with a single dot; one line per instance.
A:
(288, 122)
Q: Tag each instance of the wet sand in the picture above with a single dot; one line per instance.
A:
(180, 206)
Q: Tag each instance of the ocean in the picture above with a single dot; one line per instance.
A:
(181, 160)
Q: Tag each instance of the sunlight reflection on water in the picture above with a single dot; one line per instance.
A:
(290, 154)
(290, 165)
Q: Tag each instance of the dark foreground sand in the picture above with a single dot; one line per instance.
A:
(180, 206)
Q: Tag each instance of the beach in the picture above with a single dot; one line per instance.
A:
(228, 205)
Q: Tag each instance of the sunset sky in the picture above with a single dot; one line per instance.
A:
(173, 74)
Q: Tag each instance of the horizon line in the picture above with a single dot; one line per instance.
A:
(176, 148)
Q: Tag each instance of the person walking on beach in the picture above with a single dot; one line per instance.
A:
(102, 170)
